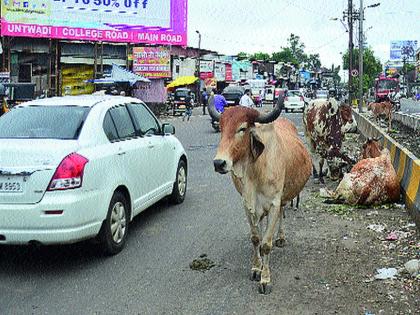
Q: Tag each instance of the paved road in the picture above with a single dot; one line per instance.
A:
(321, 270)
(410, 106)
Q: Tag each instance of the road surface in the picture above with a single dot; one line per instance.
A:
(326, 266)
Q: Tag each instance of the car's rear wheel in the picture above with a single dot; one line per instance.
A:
(180, 186)
(113, 233)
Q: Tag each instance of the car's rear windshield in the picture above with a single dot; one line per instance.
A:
(181, 93)
(43, 122)
(293, 93)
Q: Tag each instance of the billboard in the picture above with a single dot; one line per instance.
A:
(403, 49)
(134, 21)
(152, 62)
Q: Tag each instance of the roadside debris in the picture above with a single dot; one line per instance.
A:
(386, 273)
(413, 267)
(202, 264)
(392, 236)
(376, 227)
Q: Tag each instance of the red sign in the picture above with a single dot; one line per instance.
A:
(206, 75)
(228, 73)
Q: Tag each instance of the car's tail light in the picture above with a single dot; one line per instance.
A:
(286, 98)
(301, 98)
(69, 173)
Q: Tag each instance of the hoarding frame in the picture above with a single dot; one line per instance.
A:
(176, 34)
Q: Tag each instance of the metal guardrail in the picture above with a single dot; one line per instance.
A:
(406, 164)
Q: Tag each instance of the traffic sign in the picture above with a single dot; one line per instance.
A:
(354, 73)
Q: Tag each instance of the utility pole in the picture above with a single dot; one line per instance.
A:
(198, 70)
(361, 43)
(350, 23)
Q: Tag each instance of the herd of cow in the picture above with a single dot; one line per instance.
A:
(270, 165)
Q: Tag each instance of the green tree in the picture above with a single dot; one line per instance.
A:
(313, 62)
(243, 55)
(285, 55)
(372, 67)
(260, 56)
(297, 48)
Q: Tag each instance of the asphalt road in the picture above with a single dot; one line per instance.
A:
(320, 271)
(409, 106)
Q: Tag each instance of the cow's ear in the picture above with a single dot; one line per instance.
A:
(257, 147)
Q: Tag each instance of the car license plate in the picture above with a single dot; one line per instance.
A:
(11, 184)
(181, 106)
(182, 98)
(231, 102)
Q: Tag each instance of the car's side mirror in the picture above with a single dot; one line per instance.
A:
(168, 129)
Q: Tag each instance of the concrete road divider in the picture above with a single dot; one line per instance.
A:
(406, 164)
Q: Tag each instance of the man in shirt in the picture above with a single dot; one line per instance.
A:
(219, 102)
(246, 100)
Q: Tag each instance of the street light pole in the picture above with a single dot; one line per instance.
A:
(350, 23)
(198, 70)
(361, 43)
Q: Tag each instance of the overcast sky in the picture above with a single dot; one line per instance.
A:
(231, 26)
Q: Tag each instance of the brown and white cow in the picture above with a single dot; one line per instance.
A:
(372, 181)
(325, 124)
(269, 165)
(382, 109)
(371, 148)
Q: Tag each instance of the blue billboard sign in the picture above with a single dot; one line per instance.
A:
(403, 50)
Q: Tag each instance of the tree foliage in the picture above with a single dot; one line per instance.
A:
(372, 67)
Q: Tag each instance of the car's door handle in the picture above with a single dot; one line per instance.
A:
(121, 153)
(150, 145)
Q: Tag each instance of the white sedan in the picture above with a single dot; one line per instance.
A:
(294, 101)
(74, 168)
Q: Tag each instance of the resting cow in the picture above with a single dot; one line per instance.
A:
(269, 165)
(371, 181)
(382, 109)
(325, 124)
(371, 148)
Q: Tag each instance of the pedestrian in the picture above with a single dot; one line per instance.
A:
(188, 106)
(204, 100)
(246, 100)
(219, 101)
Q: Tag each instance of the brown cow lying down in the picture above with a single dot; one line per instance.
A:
(371, 148)
(382, 109)
(371, 181)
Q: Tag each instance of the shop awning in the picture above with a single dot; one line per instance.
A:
(187, 80)
(119, 74)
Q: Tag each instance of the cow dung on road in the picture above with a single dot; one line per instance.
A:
(202, 264)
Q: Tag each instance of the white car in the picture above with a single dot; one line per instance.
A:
(294, 101)
(322, 94)
(74, 168)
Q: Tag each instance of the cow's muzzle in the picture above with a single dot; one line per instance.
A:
(220, 166)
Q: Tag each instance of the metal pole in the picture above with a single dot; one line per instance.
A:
(198, 69)
(361, 43)
(350, 22)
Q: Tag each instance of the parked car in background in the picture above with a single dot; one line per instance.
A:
(79, 167)
(294, 101)
(233, 94)
(323, 94)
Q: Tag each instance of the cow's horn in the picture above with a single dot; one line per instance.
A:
(212, 109)
(271, 116)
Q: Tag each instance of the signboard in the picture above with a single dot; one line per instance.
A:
(152, 62)
(134, 21)
(206, 66)
(220, 71)
(403, 49)
(228, 73)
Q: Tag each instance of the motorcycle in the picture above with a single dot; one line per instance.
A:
(395, 101)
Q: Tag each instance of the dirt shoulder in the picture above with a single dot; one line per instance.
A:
(346, 246)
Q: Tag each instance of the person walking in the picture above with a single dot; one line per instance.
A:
(188, 106)
(204, 100)
(246, 100)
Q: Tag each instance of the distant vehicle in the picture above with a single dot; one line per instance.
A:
(294, 101)
(323, 94)
(269, 93)
(233, 94)
(79, 167)
(178, 102)
(384, 86)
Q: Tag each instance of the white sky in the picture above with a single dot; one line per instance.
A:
(231, 26)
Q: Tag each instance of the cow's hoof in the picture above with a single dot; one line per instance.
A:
(265, 288)
(255, 275)
(280, 242)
